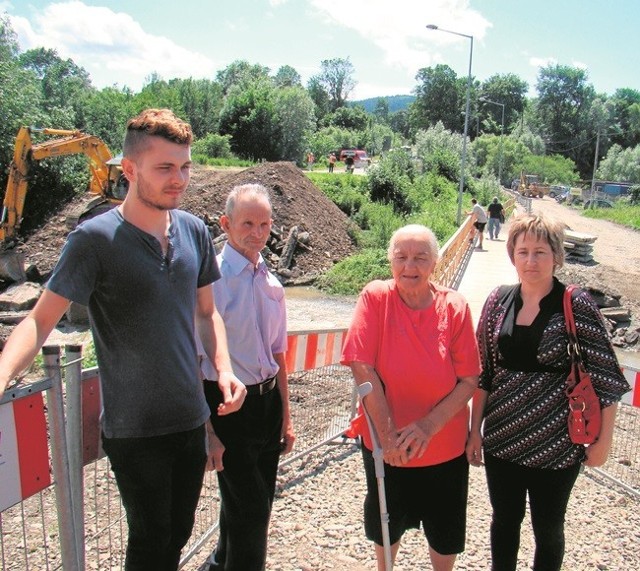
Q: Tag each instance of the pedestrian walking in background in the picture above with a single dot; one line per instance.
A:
(249, 443)
(496, 218)
(144, 270)
(479, 222)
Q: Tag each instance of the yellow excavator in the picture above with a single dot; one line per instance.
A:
(108, 185)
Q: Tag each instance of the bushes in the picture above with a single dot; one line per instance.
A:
(350, 275)
(349, 193)
(213, 146)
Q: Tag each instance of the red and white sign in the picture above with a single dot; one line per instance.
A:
(24, 457)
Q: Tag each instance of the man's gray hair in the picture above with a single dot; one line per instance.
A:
(248, 190)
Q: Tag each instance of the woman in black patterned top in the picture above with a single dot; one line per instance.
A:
(521, 397)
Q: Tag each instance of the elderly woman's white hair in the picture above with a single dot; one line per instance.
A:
(417, 231)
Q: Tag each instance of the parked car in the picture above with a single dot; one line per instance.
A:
(556, 189)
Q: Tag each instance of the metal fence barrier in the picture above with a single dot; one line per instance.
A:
(76, 521)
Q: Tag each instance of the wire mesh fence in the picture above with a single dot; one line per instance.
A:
(322, 402)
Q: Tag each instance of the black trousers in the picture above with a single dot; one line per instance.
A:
(159, 479)
(247, 484)
(548, 491)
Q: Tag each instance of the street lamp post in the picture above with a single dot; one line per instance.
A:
(501, 136)
(466, 118)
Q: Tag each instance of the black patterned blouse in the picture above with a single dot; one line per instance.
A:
(524, 373)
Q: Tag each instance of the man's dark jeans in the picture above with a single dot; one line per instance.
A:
(159, 479)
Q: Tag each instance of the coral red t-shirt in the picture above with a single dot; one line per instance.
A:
(419, 355)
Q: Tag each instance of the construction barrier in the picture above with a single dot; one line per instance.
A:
(59, 503)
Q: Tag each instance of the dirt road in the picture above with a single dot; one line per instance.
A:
(617, 247)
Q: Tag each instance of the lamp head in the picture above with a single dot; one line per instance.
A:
(432, 27)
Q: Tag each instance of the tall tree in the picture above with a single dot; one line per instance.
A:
(564, 100)
(438, 98)
(626, 106)
(319, 96)
(249, 116)
(336, 78)
(287, 76)
(381, 110)
(509, 90)
(202, 101)
(9, 46)
(240, 72)
(295, 118)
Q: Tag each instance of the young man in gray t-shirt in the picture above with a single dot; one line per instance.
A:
(145, 271)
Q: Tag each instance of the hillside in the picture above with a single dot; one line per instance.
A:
(396, 102)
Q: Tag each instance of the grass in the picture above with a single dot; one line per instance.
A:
(622, 214)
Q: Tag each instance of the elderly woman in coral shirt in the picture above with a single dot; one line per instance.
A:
(414, 341)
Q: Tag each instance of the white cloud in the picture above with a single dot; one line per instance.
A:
(542, 62)
(580, 65)
(103, 41)
(400, 31)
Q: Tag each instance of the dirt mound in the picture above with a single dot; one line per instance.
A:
(296, 202)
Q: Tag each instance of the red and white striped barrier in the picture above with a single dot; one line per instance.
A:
(312, 350)
(633, 377)
(24, 456)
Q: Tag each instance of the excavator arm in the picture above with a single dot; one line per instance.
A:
(25, 153)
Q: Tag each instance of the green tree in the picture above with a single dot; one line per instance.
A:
(509, 90)
(240, 72)
(64, 84)
(201, 101)
(320, 97)
(249, 116)
(295, 118)
(336, 78)
(621, 164)
(381, 111)
(158, 93)
(626, 111)
(565, 98)
(348, 118)
(287, 76)
(9, 47)
(438, 98)
(106, 113)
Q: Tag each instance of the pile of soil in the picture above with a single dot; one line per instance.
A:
(296, 202)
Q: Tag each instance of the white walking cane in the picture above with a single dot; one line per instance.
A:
(363, 390)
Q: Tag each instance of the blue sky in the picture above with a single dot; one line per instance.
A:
(123, 42)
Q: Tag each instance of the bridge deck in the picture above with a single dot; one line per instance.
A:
(487, 269)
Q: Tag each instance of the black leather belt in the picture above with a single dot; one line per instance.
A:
(261, 388)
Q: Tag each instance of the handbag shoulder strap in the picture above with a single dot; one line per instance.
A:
(573, 347)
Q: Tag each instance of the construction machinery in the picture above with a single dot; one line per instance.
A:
(107, 186)
(531, 186)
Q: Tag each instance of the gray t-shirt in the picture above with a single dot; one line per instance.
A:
(142, 309)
